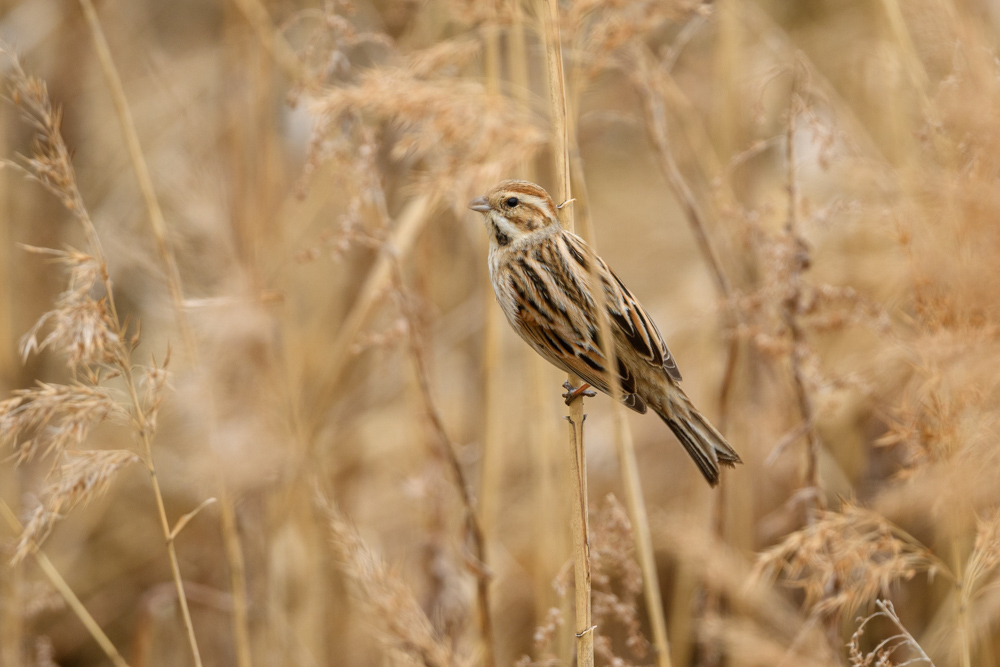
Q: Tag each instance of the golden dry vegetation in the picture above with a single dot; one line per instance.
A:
(248, 344)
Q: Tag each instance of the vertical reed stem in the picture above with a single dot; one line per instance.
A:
(625, 450)
(791, 305)
(962, 604)
(156, 220)
(237, 578)
(493, 449)
(550, 494)
(643, 540)
(11, 621)
(581, 524)
(447, 450)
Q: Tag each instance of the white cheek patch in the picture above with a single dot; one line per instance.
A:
(506, 226)
(503, 230)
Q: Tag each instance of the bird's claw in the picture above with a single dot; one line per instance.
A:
(573, 393)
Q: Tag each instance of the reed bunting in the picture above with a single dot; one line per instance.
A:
(541, 278)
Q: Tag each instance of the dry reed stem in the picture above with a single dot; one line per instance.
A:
(549, 544)
(237, 577)
(791, 305)
(655, 85)
(66, 592)
(654, 90)
(726, 76)
(175, 568)
(962, 605)
(641, 533)
(656, 122)
(156, 220)
(549, 14)
(274, 42)
(914, 67)
(11, 621)
(476, 560)
(625, 450)
(492, 471)
(410, 222)
(7, 345)
(175, 288)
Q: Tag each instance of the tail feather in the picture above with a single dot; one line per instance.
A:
(702, 441)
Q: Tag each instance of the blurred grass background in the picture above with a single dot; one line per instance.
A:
(295, 147)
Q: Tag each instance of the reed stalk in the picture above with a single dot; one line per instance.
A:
(409, 223)
(962, 603)
(474, 534)
(273, 41)
(156, 221)
(791, 306)
(625, 450)
(11, 577)
(549, 13)
(493, 445)
(550, 492)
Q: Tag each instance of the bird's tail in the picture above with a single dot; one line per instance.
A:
(702, 441)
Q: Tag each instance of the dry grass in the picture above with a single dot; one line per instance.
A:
(803, 195)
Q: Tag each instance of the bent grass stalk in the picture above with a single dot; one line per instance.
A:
(66, 592)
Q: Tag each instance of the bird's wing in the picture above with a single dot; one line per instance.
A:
(630, 323)
(553, 311)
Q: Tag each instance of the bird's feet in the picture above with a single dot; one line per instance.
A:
(573, 393)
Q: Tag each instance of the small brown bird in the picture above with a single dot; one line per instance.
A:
(541, 278)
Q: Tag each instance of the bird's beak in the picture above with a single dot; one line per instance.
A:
(479, 204)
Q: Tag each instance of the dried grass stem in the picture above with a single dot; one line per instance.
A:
(549, 11)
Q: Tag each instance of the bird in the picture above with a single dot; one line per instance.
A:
(541, 276)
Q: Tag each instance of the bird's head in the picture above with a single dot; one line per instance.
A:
(514, 210)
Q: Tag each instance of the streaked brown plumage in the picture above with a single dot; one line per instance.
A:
(541, 277)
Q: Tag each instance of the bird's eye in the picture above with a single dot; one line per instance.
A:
(512, 202)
